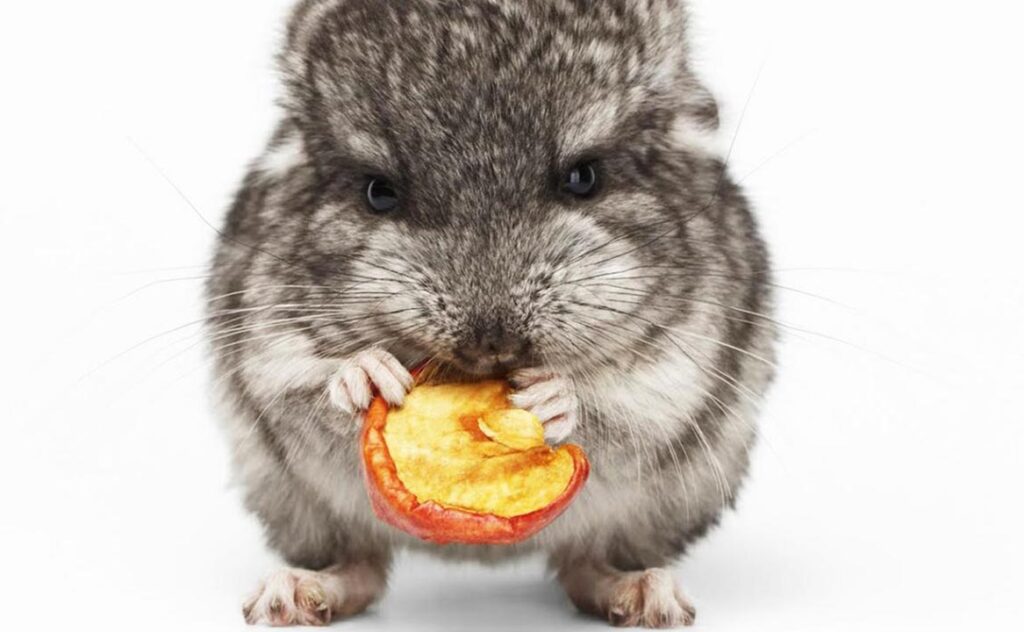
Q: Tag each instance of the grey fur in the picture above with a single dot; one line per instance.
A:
(651, 297)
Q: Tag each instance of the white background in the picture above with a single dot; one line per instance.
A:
(882, 143)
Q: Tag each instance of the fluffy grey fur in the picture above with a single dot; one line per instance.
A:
(649, 299)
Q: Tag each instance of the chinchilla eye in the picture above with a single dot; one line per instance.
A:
(381, 195)
(582, 180)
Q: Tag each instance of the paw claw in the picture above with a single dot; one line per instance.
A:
(617, 618)
(322, 615)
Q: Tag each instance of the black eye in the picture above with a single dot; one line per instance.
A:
(381, 195)
(582, 181)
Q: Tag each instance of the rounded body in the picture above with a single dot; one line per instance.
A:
(642, 283)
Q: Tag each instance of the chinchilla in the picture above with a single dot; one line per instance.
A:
(530, 189)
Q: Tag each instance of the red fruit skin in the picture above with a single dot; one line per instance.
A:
(429, 521)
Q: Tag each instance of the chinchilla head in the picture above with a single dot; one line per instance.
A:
(495, 183)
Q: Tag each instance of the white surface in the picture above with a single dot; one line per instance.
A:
(882, 144)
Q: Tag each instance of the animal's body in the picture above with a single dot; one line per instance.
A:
(503, 187)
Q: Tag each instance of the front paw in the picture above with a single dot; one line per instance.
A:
(351, 387)
(549, 396)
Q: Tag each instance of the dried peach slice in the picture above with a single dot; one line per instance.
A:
(457, 464)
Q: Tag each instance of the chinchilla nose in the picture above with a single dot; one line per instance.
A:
(492, 345)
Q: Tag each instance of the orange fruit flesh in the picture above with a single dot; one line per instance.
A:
(462, 447)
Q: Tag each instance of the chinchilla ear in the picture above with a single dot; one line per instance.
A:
(306, 22)
(696, 122)
(302, 24)
(671, 79)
